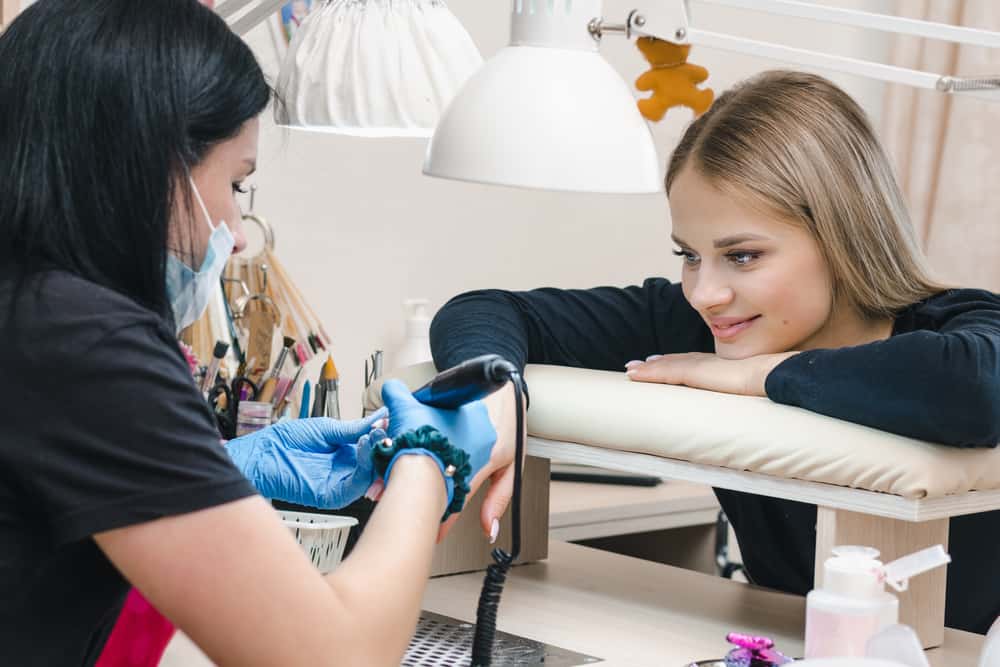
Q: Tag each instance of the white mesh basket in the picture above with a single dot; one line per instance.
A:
(322, 536)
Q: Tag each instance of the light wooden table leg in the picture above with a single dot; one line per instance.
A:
(466, 550)
(922, 606)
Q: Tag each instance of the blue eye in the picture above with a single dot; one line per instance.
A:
(689, 257)
(742, 257)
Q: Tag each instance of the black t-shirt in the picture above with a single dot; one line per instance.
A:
(102, 428)
(936, 378)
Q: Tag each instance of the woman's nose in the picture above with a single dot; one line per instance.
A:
(240, 243)
(239, 236)
(709, 291)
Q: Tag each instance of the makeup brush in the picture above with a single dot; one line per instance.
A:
(207, 382)
(319, 397)
(331, 385)
(287, 344)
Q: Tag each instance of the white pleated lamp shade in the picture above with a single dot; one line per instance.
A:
(547, 112)
(376, 68)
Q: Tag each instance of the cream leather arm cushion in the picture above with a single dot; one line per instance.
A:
(606, 409)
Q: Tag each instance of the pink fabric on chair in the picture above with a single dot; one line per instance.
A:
(140, 635)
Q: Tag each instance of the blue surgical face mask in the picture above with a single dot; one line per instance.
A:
(190, 291)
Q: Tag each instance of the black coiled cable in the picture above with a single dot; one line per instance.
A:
(496, 574)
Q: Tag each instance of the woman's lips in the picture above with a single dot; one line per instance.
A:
(727, 330)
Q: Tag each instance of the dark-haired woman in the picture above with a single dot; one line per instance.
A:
(125, 130)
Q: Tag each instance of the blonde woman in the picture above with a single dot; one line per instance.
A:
(802, 282)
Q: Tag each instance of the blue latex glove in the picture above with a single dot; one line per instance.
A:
(469, 427)
(319, 462)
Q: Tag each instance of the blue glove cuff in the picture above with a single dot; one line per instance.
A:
(431, 442)
(449, 482)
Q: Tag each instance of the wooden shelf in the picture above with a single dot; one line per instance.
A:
(581, 511)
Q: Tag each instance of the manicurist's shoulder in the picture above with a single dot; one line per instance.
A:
(953, 309)
(59, 314)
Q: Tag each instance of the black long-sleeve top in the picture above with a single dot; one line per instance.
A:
(936, 378)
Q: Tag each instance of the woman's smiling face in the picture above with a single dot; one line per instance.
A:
(760, 283)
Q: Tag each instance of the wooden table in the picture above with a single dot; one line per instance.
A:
(630, 612)
(634, 613)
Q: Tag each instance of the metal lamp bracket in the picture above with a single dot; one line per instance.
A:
(663, 19)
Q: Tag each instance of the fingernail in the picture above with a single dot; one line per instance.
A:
(634, 362)
(629, 374)
(494, 531)
(374, 491)
(653, 357)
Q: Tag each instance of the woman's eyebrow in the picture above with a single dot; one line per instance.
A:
(737, 239)
(726, 241)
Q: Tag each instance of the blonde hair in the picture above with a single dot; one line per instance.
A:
(799, 146)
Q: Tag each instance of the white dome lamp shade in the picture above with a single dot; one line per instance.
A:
(547, 112)
(374, 68)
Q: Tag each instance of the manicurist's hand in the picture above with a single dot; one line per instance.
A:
(319, 462)
(708, 371)
(481, 428)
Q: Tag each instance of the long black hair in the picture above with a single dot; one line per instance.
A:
(104, 105)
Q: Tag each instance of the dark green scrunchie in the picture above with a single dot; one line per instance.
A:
(432, 440)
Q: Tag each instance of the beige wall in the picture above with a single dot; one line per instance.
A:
(361, 229)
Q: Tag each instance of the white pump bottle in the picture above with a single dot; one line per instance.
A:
(416, 347)
(852, 605)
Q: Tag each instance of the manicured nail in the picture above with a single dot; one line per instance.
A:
(494, 531)
(653, 357)
(629, 374)
(374, 491)
(634, 362)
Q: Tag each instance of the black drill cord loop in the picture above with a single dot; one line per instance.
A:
(496, 574)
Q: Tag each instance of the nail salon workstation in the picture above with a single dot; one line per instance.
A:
(570, 603)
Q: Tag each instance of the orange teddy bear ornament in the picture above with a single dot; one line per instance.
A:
(672, 80)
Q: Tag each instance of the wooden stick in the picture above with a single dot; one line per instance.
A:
(297, 295)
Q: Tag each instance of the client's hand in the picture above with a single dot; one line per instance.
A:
(319, 462)
(473, 428)
(708, 371)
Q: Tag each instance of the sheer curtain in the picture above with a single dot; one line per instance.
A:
(947, 149)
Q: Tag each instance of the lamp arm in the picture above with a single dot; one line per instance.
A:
(668, 20)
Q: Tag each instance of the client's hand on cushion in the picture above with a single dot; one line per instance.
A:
(708, 371)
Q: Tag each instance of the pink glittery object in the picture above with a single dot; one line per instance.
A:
(749, 641)
(753, 652)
